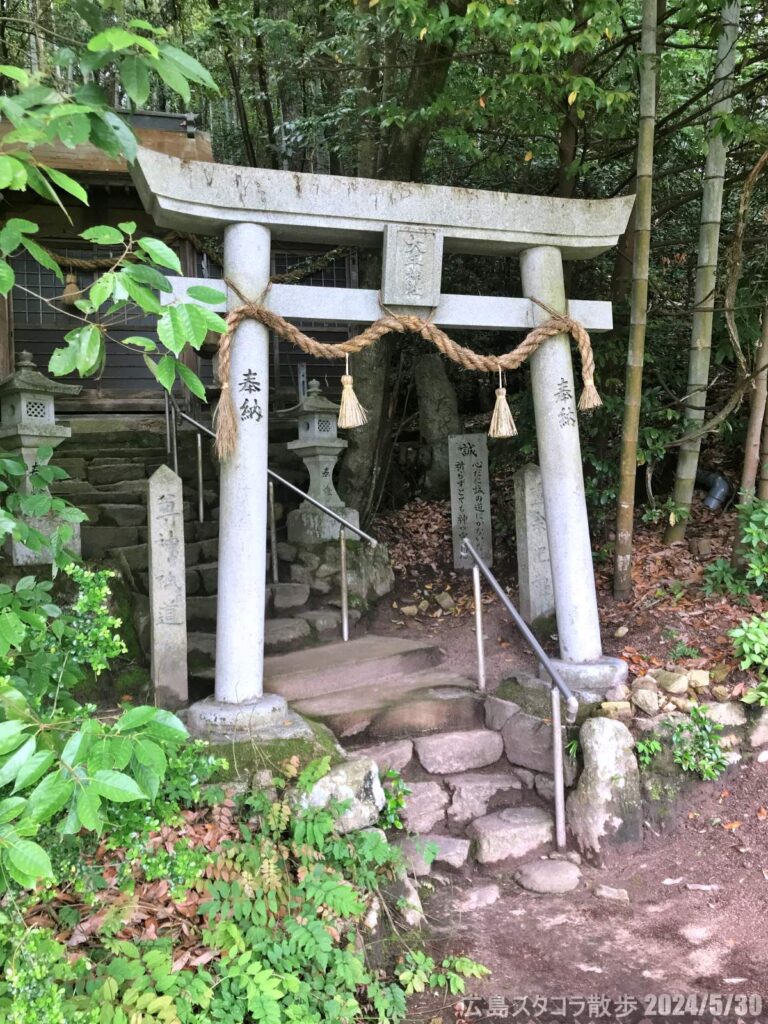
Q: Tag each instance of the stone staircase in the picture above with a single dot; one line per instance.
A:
(109, 471)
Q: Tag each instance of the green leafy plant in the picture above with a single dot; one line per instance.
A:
(395, 793)
(753, 522)
(750, 643)
(757, 694)
(696, 746)
(683, 650)
(720, 577)
(647, 751)
(573, 748)
(667, 512)
(418, 972)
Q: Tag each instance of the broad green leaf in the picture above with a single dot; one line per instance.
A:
(88, 807)
(11, 807)
(165, 371)
(167, 727)
(34, 769)
(213, 322)
(135, 717)
(102, 234)
(146, 343)
(160, 253)
(189, 67)
(91, 350)
(148, 276)
(150, 755)
(117, 39)
(117, 786)
(68, 184)
(73, 130)
(49, 796)
(17, 74)
(7, 277)
(29, 858)
(134, 77)
(192, 381)
(44, 258)
(149, 780)
(173, 77)
(77, 747)
(11, 735)
(202, 293)
(128, 227)
(101, 289)
(10, 769)
(12, 630)
(142, 296)
(63, 361)
(125, 138)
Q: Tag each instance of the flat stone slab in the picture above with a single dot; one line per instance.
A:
(305, 674)
(388, 756)
(325, 620)
(289, 595)
(512, 832)
(425, 806)
(476, 899)
(282, 632)
(452, 704)
(548, 876)
(497, 711)
(449, 752)
(451, 852)
(472, 792)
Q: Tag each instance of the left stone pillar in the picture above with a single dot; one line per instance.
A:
(239, 705)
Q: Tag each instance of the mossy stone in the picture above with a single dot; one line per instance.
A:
(246, 757)
(536, 700)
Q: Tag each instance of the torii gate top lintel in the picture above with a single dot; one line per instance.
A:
(206, 197)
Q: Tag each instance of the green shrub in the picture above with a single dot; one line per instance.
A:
(696, 746)
(750, 643)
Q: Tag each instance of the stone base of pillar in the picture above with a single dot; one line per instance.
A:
(20, 554)
(308, 525)
(589, 680)
(267, 718)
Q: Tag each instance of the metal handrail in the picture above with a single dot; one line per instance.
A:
(172, 410)
(558, 686)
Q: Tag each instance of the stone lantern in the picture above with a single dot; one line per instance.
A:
(319, 446)
(28, 423)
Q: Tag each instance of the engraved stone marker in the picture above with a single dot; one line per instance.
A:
(413, 259)
(537, 598)
(167, 589)
(470, 496)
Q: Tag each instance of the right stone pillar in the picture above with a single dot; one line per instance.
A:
(565, 509)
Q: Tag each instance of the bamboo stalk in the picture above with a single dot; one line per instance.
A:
(622, 579)
(706, 270)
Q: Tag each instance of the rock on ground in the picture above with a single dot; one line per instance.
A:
(548, 876)
(498, 711)
(424, 807)
(606, 806)
(451, 852)
(477, 898)
(512, 832)
(448, 752)
(759, 735)
(606, 892)
(356, 781)
(392, 756)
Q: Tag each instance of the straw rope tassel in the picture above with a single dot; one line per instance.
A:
(351, 413)
(225, 417)
(71, 292)
(502, 423)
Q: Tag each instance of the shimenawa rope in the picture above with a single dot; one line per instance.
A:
(558, 323)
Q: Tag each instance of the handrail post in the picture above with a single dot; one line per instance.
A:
(479, 628)
(174, 444)
(344, 585)
(167, 401)
(557, 768)
(272, 532)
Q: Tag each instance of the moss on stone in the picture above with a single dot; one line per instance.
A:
(247, 756)
(536, 700)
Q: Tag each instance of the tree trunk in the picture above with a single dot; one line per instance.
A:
(756, 414)
(622, 580)
(762, 480)
(438, 417)
(706, 271)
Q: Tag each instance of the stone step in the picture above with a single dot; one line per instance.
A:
(343, 666)
(285, 596)
(81, 492)
(117, 472)
(201, 613)
(102, 541)
(404, 705)
(511, 833)
(446, 753)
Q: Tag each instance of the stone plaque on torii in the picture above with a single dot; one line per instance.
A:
(415, 224)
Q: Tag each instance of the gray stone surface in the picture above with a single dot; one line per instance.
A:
(470, 497)
(438, 419)
(167, 589)
(448, 752)
(758, 736)
(731, 714)
(606, 807)
(451, 852)
(323, 620)
(607, 892)
(472, 792)
(116, 472)
(528, 742)
(670, 682)
(512, 832)
(438, 708)
(281, 633)
(536, 595)
(497, 711)
(477, 898)
(408, 902)
(412, 266)
(289, 595)
(123, 515)
(356, 781)
(647, 701)
(548, 876)
(425, 806)
(392, 756)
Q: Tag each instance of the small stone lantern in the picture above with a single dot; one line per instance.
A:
(28, 423)
(319, 446)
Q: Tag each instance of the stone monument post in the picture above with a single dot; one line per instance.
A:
(534, 569)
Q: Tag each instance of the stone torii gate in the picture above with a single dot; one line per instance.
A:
(416, 223)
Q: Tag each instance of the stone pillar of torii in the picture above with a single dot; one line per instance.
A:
(415, 224)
